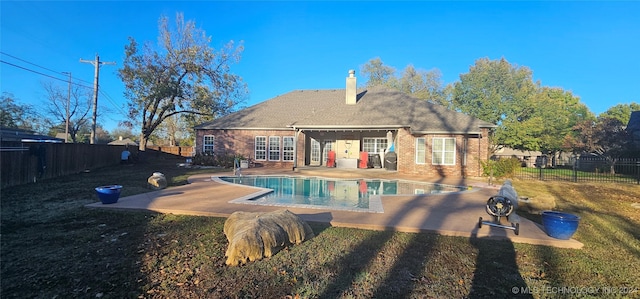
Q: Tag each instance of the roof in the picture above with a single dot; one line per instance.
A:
(376, 108)
(21, 135)
(126, 141)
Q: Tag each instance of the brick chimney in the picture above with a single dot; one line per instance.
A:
(351, 88)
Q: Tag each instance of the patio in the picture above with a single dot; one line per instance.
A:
(447, 214)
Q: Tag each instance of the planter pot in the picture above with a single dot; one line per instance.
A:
(560, 225)
(109, 194)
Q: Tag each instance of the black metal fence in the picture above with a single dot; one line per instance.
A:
(583, 169)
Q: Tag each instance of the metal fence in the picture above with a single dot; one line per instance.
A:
(584, 169)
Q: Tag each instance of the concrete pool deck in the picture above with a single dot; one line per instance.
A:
(454, 214)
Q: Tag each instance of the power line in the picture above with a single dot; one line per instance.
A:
(31, 63)
(42, 74)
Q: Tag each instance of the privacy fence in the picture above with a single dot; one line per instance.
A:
(592, 169)
(27, 163)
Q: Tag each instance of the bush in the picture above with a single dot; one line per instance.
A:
(501, 167)
(224, 161)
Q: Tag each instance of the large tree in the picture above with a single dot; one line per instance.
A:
(546, 118)
(377, 73)
(606, 137)
(621, 112)
(16, 115)
(182, 75)
(79, 102)
(422, 84)
(500, 93)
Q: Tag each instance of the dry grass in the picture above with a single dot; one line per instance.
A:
(51, 246)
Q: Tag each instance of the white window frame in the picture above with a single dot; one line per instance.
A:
(288, 152)
(421, 150)
(441, 154)
(260, 146)
(377, 144)
(208, 144)
(274, 148)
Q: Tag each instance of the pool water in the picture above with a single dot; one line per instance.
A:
(341, 194)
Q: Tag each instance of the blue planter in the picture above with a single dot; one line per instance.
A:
(109, 194)
(560, 225)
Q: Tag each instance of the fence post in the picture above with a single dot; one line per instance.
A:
(638, 170)
(575, 170)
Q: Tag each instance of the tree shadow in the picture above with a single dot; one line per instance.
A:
(496, 273)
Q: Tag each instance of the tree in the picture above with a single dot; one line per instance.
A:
(18, 116)
(377, 73)
(500, 93)
(621, 112)
(552, 113)
(426, 85)
(55, 107)
(183, 75)
(606, 138)
(123, 132)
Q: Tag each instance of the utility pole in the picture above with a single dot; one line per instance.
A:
(96, 63)
(66, 123)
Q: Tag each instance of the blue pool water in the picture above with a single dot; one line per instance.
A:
(361, 195)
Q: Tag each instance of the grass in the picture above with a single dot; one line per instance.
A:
(54, 247)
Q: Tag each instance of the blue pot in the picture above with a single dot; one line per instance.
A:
(560, 225)
(109, 194)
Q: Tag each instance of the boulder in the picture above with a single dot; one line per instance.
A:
(157, 181)
(253, 236)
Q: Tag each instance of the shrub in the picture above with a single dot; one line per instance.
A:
(501, 168)
(224, 161)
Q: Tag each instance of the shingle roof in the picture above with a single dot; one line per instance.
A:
(327, 109)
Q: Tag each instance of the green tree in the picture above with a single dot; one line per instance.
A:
(377, 73)
(551, 114)
(426, 85)
(19, 116)
(503, 94)
(621, 112)
(183, 75)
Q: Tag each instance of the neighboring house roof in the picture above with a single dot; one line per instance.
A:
(21, 135)
(376, 108)
(125, 141)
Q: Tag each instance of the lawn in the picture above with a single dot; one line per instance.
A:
(54, 247)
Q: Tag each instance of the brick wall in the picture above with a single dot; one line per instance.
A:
(242, 142)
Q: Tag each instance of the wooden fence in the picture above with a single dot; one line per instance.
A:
(32, 162)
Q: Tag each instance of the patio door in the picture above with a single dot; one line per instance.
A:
(315, 153)
(329, 145)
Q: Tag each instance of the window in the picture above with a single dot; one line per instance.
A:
(274, 148)
(421, 151)
(287, 148)
(208, 144)
(374, 145)
(443, 151)
(261, 148)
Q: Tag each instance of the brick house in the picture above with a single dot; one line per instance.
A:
(351, 128)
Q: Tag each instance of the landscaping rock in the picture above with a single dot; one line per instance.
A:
(157, 181)
(253, 236)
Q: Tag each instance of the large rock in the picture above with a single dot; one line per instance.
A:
(157, 181)
(253, 236)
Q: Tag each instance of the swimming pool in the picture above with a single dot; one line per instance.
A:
(360, 195)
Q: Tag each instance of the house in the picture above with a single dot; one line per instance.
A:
(346, 127)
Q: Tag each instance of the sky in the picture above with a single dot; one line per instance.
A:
(589, 48)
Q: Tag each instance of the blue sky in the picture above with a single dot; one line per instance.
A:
(590, 48)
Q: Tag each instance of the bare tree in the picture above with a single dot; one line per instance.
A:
(57, 99)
